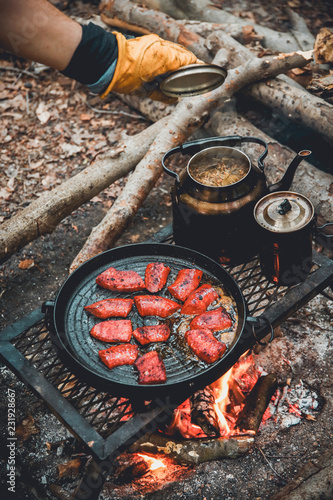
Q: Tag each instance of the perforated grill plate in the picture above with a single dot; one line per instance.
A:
(74, 324)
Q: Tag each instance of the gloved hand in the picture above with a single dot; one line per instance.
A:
(142, 59)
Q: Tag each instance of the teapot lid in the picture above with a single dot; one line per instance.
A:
(283, 212)
(193, 79)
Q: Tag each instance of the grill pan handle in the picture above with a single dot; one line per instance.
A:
(193, 147)
(47, 306)
(47, 309)
(261, 322)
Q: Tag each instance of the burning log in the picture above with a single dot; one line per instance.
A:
(300, 30)
(188, 116)
(137, 468)
(256, 403)
(194, 451)
(203, 413)
(43, 215)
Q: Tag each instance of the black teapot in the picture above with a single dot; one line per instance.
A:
(214, 196)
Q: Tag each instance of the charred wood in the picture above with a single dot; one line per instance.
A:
(256, 403)
(137, 468)
(194, 451)
(203, 413)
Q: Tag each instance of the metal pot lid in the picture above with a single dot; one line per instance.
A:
(193, 79)
(283, 212)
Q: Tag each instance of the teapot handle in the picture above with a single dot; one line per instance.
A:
(193, 147)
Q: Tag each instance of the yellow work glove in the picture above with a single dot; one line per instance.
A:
(142, 59)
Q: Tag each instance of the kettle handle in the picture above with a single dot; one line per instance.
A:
(193, 147)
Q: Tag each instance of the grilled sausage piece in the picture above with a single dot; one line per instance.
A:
(151, 333)
(205, 345)
(186, 282)
(151, 368)
(199, 300)
(113, 330)
(215, 320)
(120, 281)
(156, 276)
(154, 305)
(117, 355)
(110, 308)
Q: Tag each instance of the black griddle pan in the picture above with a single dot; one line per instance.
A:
(79, 351)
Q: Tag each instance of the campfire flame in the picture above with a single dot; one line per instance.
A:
(229, 392)
(152, 462)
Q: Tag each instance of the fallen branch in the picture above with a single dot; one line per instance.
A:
(204, 10)
(256, 403)
(288, 99)
(156, 22)
(43, 215)
(188, 116)
(170, 7)
(194, 451)
(293, 102)
(300, 30)
(310, 181)
(114, 22)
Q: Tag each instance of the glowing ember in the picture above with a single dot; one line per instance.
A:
(229, 392)
(152, 462)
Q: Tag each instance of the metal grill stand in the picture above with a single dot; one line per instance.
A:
(106, 425)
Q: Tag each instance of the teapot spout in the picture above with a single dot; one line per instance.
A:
(285, 183)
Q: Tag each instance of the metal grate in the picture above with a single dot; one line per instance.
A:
(105, 424)
(106, 414)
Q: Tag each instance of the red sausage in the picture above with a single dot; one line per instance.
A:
(215, 320)
(117, 355)
(153, 305)
(156, 276)
(151, 368)
(113, 330)
(109, 308)
(186, 282)
(199, 300)
(120, 281)
(151, 333)
(205, 345)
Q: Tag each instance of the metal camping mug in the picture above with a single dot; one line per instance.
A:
(286, 225)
